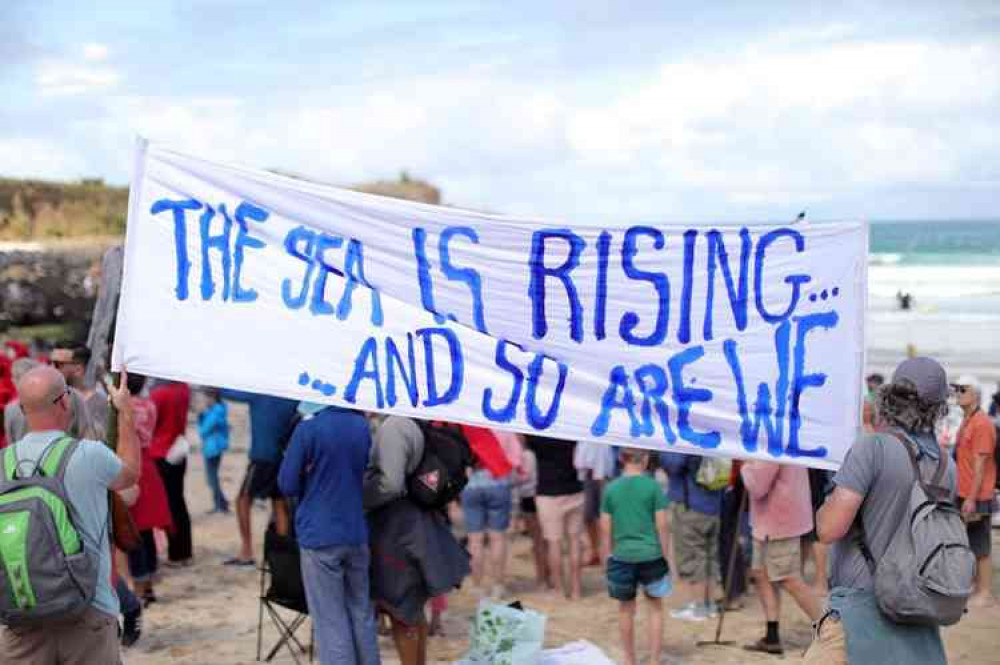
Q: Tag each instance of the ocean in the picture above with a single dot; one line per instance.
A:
(951, 269)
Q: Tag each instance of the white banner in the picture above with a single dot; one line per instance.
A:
(742, 341)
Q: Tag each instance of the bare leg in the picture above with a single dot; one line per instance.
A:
(626, 627)
(804, 596)
(282, 523)
(498, 556)
(422, 641)
(542, 573)
(655, 619)
(438, 606)
(476, 555)
(983, 594)
(243, 504)
(554, 551)
(411, 642)
(575, 574)
(594, 541)
(769, 599)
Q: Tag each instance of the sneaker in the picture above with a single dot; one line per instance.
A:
(709, 611)
(132, 629)
(690, 612)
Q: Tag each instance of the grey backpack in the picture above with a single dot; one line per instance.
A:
(926, 574)
(45, 571)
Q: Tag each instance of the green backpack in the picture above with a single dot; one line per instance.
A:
(45, 571)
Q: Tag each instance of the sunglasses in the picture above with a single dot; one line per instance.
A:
(961, 390)
(64, 393)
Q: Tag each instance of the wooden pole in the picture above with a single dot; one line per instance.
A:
(730, 569)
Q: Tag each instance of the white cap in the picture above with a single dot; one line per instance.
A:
(969, 381)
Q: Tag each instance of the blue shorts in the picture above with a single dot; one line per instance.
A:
(487, 507)
(625, 578)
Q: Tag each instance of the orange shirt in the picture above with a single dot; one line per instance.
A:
(976, 436)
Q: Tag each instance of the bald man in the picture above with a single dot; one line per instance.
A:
(15, 426)
(92, 470)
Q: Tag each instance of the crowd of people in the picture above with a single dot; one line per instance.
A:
(383, 532)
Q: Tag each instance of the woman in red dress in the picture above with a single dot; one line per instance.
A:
(151, 510)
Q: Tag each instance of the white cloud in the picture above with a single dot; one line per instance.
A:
(65, 76)
(732, 132)
(39, 158)
(846, 115)
(94, 52)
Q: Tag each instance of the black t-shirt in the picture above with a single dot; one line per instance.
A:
(556, 474)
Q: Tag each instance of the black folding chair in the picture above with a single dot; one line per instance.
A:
(283, 597)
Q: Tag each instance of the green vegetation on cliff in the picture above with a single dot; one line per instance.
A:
(43, 210)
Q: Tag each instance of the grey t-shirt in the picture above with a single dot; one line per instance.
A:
(396, 452)
(878, 467)
(90, 470)
(96, 405)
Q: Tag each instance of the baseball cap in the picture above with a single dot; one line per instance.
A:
(969, 381)
(927, 375)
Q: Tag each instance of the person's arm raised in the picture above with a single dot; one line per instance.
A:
(128, 443)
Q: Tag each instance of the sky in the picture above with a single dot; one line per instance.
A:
(643, 111)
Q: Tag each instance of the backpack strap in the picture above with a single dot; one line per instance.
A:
(58, 455)
(860, 538)
(934, 489)
(52, 462)
(9, 463)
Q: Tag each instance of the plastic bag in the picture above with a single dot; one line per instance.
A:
(178, 451)
(503, 635)
(713, 473)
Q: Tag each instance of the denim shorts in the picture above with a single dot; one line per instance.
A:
(487, 507)
(625, 578)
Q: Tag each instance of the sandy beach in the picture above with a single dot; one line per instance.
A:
(207, 614)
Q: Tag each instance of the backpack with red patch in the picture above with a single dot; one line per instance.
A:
(442, 473)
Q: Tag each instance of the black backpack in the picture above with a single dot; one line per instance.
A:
(442, 473)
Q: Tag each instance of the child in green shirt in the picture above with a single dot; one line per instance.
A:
(635, 540)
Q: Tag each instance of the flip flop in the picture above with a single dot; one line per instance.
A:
(236, 561)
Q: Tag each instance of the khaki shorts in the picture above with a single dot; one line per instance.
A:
(90, 639)
(696, 544)
(560, 515)
(781, 557)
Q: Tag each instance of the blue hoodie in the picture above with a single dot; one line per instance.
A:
(681, 470)
(213, 428)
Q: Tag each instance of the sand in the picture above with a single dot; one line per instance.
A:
(207, 614)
